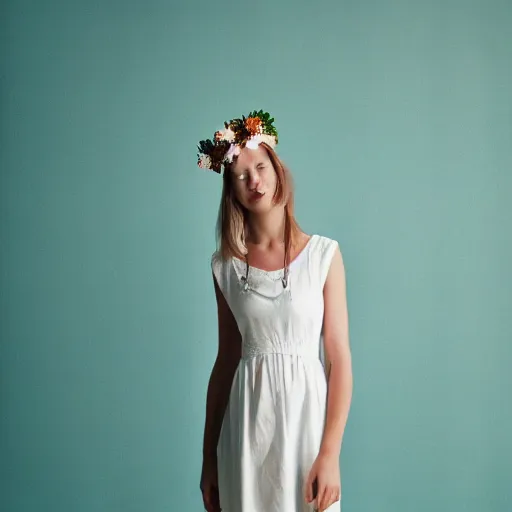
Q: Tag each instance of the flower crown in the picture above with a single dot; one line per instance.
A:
(242, 132)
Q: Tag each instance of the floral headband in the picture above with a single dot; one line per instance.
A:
(243, 132)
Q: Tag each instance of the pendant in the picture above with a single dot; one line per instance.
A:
(284, 279)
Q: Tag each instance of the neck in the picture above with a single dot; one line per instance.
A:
(267, 229)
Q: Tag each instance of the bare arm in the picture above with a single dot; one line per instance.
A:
(336, 339)
(326, 470)
(219, 386)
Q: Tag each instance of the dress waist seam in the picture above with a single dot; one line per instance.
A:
(250, 354)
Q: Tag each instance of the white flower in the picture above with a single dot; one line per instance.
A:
(234, 150)
(269, 139)
(228, 134)
(225, 135)
(205, 162)
(256, 140)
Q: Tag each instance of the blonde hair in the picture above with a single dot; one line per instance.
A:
(232, 221)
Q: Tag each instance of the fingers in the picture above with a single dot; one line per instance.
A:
(308, 492)
(308, 488)
(323, 496)
(335, 496)
(327, 497)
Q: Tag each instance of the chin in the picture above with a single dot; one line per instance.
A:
(262, 206)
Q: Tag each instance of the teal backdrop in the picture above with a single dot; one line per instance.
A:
(396, 120)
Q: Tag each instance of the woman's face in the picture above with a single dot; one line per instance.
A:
(254, 179)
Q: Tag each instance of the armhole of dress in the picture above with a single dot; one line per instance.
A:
(216, 266)
(325, 264)
(327, 257)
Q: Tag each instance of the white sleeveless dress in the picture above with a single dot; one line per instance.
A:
(273, 424)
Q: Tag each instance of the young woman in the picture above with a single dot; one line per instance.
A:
(280, 390)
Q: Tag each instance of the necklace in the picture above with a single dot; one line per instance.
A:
(245, 279)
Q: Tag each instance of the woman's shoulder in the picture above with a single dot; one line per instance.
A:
(324, 242)
(323, 253)
(217, 260)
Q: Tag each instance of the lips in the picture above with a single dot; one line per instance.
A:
(255, 196)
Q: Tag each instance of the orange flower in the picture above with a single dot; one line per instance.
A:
(253, 125)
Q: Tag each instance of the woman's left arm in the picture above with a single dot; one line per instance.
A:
(337, 349)
(326, 471)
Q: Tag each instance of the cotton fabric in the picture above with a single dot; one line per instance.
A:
(273, 425)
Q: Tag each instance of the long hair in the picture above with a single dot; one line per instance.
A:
(232, 220)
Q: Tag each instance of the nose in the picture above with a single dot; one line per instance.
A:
(254, 181)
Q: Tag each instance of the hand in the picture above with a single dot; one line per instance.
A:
(209, 486)
(326, 471)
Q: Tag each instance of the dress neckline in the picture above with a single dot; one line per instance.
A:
(279, 270)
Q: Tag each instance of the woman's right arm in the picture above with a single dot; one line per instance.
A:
(221, 379)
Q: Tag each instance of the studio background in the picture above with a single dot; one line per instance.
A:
(395, 119)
